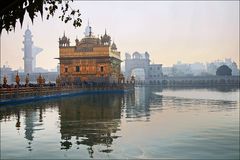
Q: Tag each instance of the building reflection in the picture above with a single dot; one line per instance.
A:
(90, 120)
(139, 104)
(33, 123)
(225, 88)
(31, 116)
(18, 123)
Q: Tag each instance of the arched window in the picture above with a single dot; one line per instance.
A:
(101, 69)
(77, 68)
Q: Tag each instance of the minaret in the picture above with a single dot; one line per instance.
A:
(35, 52)
(28, 59)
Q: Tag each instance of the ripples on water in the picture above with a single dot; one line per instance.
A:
(148, 123)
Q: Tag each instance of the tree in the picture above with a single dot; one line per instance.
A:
(224, 70)
(14, 10)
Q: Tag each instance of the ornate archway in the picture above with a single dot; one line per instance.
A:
(137, 60)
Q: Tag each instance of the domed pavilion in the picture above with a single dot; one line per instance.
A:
(91, 59)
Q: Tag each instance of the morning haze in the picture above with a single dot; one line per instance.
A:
(169, 31)
(165, 101)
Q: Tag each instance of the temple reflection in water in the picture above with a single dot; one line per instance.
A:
(121, 125)
(89, 120)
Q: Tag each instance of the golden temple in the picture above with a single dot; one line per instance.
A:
(92, 59)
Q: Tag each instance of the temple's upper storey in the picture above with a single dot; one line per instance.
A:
(89, 42)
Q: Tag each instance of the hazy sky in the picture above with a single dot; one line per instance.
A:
(170, 31)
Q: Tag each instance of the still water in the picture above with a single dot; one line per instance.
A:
(148, 123)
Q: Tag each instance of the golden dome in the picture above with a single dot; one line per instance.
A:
(114, 47)
(89, 40)
(106, 39)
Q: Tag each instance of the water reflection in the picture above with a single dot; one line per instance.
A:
(32, 120)
(90, 120)
(226, 88)
(33, 123)
(85, 120)
(95, 124)
(212, 100)
(139, 104)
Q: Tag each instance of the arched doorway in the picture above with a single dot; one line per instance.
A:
(139, 74)
(137, 64)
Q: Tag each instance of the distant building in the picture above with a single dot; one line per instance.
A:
(155, 73)
(6, 71)
(40, 70)
(90, 59)
(30, 53)
(28, 58)
(167, 71)
(197, 68)
(212, 67)
(11, 74)
(223, 70)
(181, 69)
(20, 70)
(150, 73)
(138, 74)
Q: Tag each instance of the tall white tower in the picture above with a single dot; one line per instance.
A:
(28, 58)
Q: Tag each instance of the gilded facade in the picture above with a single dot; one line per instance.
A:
(91, 59)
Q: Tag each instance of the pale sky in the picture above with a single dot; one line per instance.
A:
(174, 31)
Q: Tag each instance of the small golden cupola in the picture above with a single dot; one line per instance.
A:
(64, 41)
(106, 39)
(114, 47)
